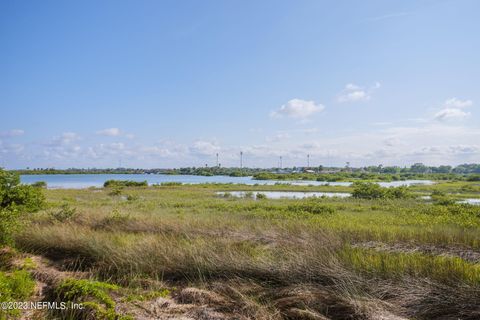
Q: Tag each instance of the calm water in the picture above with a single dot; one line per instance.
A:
(79, 181)
(470, 201)
(286, 194)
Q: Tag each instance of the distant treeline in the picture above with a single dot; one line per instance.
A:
(365, 176)
(198, 171)
(383, 173)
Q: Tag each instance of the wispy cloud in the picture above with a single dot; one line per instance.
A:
(390, 16)
(110, 132)
(12, 133)
(355, 93)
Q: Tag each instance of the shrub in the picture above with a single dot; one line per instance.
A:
(170, 184)
(312, 207)
(132, 197)
(367, 190)
(125, 183)
(63, 214)
(15, 198)
(116, 191)
(39, 184)
(93, 295)
(261, 196)
(14, 286)
(473, 177)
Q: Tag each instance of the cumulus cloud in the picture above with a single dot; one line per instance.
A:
(453, 110)
(12, 133)
(355, 93)
(451, 114)
(298, 108)
(110, 132)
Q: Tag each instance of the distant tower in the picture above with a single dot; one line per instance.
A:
(281, 163)
(308, 161)
(241, 159)
(217, 160)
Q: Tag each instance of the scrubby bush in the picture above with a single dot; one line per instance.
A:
(170, 184)
(125, 183)
(14, 286)
(64, 213)
(369, 190)
(39, 184)
(15, 199)
(261, 196)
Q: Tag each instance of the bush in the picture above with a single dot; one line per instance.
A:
(473, 177)
(39, 184)
(15, 286)
(125, 183)
(93, 295)
(170, 184)
(261, 196)
(369, 190)
(15, 198)
(65, 213)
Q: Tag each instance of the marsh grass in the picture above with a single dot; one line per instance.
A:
(186, 234)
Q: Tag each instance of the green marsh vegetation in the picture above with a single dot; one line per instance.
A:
(381, 251)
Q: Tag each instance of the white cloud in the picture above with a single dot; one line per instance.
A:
(452, 110)
(204, 148)
(110, 132)
(451, 114)
(355, 93)
(12, 133)
(298, 108)
(457, 103)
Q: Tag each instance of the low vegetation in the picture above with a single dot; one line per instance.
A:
(184, 250)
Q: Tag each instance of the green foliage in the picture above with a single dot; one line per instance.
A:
(311, 206)
(124, 183)
(39, 184)
(170, 184)
(116, 191)
(366, 190)
(93, 295)
(15, 199)
(132, 197)
(369, 190)
(15, 286)
(64, 213)
(261, 196)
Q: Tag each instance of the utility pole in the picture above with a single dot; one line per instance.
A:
(241, 159)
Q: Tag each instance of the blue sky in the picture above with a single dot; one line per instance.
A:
(172, 83)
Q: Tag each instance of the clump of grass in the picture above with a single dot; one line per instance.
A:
(132, 197)
(399, 265)
(64, 213)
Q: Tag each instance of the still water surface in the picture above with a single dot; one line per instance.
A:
(80, 181)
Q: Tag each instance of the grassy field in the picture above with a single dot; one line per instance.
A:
(323, 258)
